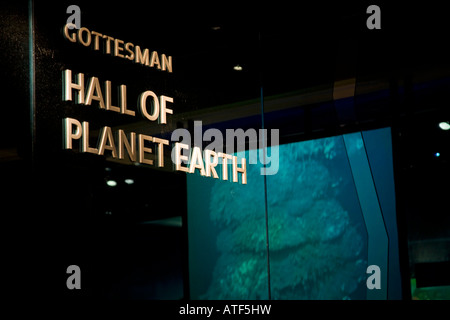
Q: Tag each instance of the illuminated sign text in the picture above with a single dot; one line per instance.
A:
(118, 48)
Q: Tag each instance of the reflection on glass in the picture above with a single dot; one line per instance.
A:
(230, 217)
(316, 231)
(318, 239)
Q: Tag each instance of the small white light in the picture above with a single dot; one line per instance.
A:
(444, 125)
(437, 154)
(111, 183)
(237, 68)
(129, 181)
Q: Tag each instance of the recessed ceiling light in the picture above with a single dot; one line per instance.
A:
(111, 183)
(237, 68)
(444, 125)
(129, 181)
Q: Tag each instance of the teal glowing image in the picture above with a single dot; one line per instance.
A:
(316, 217)
(318, 243)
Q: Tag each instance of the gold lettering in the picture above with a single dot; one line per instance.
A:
(118, 48)
(96, 39)
(166, 63)
(225, 157)
(69, 85)
(242, 170)
(129, 145)
(80, 37)
(71, 38)
(109, 106)
(94, 85)
(197, 161)
(130, 55)
(143, 105)
(164, 109)
(108, 43)
(123, 101)
(141, 58)
(85, 142)
(179, 157)
(121, 49)
(160, 143)
(143, 149)
(210, 166)
(155, 60)
(107, 142)
(68, 131)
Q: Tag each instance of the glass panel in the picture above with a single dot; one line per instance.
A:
(378, 148)
(317, 237)
(227, 222)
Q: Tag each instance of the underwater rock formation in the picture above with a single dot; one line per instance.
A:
(316, 248)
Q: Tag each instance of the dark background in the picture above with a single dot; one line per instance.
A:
(57, 209)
